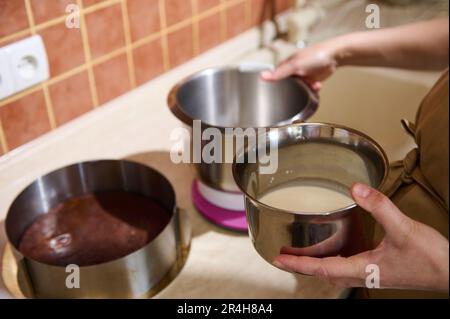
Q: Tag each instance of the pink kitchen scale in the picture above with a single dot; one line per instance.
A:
(221, 208)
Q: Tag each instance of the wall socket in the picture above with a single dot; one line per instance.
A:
(22, 65)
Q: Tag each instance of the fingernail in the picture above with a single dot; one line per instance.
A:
(361, 190)
(266, 74)
(317, 86)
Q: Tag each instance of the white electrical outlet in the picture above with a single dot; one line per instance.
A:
(22, 64)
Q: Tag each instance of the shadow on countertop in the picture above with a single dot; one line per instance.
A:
(181, 176)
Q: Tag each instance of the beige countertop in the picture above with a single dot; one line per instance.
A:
(137, 126)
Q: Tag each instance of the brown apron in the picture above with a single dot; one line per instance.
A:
(418, 184)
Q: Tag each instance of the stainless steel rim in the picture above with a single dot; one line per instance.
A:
(175, 108)
(171, 243)
(330, 125)
(7, 229)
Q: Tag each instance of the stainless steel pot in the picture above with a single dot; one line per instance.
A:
(141, 273)
(325, 155)
(236, 97)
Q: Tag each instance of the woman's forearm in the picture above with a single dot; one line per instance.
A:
(421, 46)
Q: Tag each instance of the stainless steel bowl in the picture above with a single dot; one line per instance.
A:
(141, 273)
(320, 154)
(234, 97)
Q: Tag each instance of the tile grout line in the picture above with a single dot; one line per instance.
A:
(19, 95)
(87, 56)
(90, 63)
(110, 55)
(248, 14)
(164, 43)
(3, 142)
(67, 74)
(145, 40)
(179, 25)
(58, 20)
(223, 20)
(99, 6)
(138, 43)
(49, 104)
(195, 27)
(208, 12)
(103, 5)
(44, 85)
(15, 35)
(127, 32)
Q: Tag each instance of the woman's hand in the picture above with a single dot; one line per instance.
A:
(412, 255)
(420, 46)
(313, 64)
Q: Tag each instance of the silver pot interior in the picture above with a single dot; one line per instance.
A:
(319, 154)
(230, 97)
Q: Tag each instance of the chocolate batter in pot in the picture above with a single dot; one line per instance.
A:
(94, 228)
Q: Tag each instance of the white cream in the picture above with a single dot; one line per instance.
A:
(298, 197)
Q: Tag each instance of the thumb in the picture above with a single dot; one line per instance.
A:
(284, 70)
(394, 222)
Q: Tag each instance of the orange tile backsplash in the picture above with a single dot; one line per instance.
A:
(71, 97)
(210, 33)
(13, 17)
(144, 17)
(181, 45)
(64, 48)
(236, 21)
(24, 119)
(44, 10)
(88, 3)
(148, 61)
(105, 30)
(177, 11)
(204, 5)
(112, 78)
(121, 44)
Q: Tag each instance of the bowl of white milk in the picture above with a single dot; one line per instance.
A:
(303, 205)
